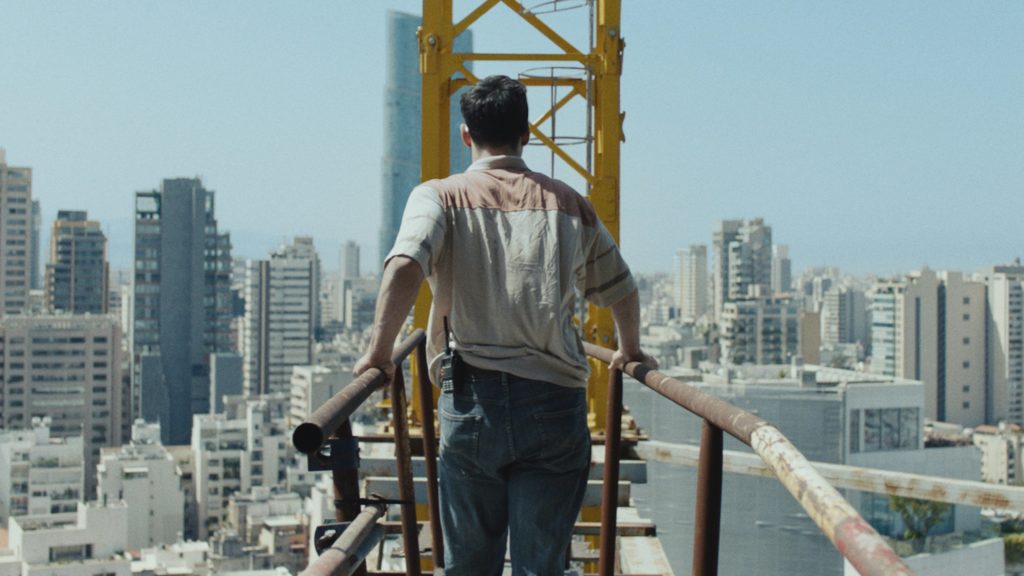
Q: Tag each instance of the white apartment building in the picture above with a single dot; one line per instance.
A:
(281, 303)
(1006, 342)
(248, 512)
(93, 541)
(931, 326)
(66, 368)
(692, 281)
(782, 270)
(1000, 453)
(15, 237)
(39, 474)
(145, 476)
(249, 445)
(844, 316)
(762, 331)
(312, 386)
(743, 261)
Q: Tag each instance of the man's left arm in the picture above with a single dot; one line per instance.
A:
(399, 286)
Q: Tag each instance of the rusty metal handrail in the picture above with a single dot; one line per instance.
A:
(855, 539)
(331, 420)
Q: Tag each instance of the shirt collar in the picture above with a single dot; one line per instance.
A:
(493, 162)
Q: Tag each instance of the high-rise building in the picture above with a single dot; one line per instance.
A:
(36, 282)
(302, 248)
(77, 275)
(1006, 344)
(15, 237)
(68, 369)
(182, 305)
(350, 260)
(693, 281)
(277, 330)
(844, 316)
(931, 327)
(402, 110)
(760, 331)
(782, 269)
(743, 261)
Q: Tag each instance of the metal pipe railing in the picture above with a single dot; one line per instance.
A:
(430, 454)
(331, 421)
(612, 446)
(346, 555)
(855, 539)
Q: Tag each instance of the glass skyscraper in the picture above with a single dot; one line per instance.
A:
(400, 167)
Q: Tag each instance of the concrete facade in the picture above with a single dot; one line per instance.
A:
(93, 541)
(77, 274)
(146, 477)
(312, 386)
(67, 368)
(39, 475)
(692, 281)
(247, 446)
(278, 329)
(1005, 339)
(743, 261)
(15, 237)
(182, 304)
(761, 331)
(932, 327)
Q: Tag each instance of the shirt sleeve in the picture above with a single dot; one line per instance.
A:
(606, 276)
(421, 234)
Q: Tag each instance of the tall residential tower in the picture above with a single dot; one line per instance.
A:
(182, 305)
(15, 237)
(77, 273)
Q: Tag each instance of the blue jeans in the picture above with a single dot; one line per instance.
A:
(515, 457)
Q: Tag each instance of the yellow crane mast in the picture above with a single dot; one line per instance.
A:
(444, 71)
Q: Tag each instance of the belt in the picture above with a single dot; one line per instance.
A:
(479, 373)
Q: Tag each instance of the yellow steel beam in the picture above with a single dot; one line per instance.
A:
(541, 27)
(604, 61)
(558, 106)
(473, 16)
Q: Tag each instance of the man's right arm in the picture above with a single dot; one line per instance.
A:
(626, 313)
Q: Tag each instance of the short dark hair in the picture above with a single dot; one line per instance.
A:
(495, 111)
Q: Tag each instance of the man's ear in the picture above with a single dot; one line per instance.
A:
(467, 141)
(525, 138)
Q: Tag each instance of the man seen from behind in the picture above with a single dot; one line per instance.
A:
(505, 251)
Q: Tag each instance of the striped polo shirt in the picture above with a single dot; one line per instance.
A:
(506, 251)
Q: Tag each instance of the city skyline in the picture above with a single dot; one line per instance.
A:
(847, 119)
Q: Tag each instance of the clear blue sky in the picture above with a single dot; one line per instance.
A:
(877, 136)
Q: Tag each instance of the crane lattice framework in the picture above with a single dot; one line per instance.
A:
(444, 71)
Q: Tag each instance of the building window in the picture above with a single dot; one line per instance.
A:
(967, 317)
(891, 429)
(967, 405)
(967, 388)
(967, 300)
(967, 364)
(967, 340)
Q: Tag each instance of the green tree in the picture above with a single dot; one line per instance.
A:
(919, 517)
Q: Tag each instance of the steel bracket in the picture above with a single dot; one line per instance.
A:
(336, 454)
